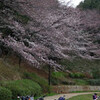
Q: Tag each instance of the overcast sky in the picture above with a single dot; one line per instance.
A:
(73, 3)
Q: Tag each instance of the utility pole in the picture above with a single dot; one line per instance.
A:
(20, 59)
(49, 78)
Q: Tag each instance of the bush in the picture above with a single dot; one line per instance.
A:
(96, 73)
(40, 80)
(76, 75)
(59, 78)
(5, 94)
(58, 74)
(81, 82)
(23, 88)
(55, 81)
(94, 81)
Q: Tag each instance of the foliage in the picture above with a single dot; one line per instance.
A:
(51, 94)
(96, 73)
(97, 41)
(22, 87)
(76, 75)
(58, 74)
(90, 4)
(6, 31)
(81, 82)
(40, 80)
(80, 64)
(60, 78)
(21, 18)
(5, 94)
(94, 81)
(1, 5)
(69, 64)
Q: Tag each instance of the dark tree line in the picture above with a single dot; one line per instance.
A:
(90, 4)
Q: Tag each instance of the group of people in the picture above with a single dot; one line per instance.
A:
(28, 98)
(25, 98)
(95, 97)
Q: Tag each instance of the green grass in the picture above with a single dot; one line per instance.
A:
(82, 97)
(40, 80)
(51, 94)
(59, 78)
(22, 87)
(81, 82)
(58, 74)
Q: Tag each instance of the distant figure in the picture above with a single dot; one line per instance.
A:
(31, 97)
(18, 97)
(95, 96)
(41, 98)
(27, 98)
(62, 98)
(22, 98)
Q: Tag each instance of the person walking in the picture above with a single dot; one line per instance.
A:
(95, 96)
(62, 98)
(31, 97)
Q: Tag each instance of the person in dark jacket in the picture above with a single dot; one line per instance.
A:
(62, 98)
(95, 96)
(22, 98)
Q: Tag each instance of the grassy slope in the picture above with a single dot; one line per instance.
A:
(80, 64)
(8, 71)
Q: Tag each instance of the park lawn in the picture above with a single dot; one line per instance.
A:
(82, 97)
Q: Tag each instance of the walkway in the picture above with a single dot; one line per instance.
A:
(67, 96)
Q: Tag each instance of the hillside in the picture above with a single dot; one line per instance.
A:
(44, 44)
(46, 33)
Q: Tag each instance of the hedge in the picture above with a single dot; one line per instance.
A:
(5, 94)
(23, 88)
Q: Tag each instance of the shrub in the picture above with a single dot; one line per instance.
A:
(58, 74)
(96, 73)
(23, 87)
(59, 78)
(81, 82)
(5, 94)
(76, 75)
(94, 81)
(55, 81)
(40, 80)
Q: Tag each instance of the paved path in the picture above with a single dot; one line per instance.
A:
(67, 96)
